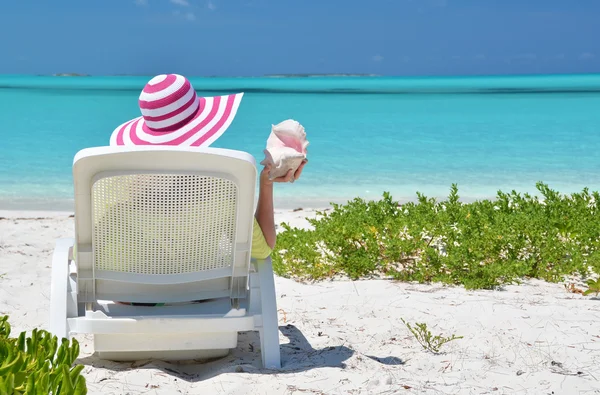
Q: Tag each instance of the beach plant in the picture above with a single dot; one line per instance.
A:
(38, 364)
(482, 244)
(593, 287)
(426, 339)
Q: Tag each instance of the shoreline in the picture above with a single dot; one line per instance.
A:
(322, 196)
(56, 214)
(295, 218)
(60, 208)
(34, 214)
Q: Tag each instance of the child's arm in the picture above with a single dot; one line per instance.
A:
(264, 210)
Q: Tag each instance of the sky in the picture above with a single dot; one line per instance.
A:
(258, 37)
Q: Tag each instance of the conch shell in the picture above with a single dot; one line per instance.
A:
(286, 148)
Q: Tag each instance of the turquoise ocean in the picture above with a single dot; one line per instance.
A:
(367, 134)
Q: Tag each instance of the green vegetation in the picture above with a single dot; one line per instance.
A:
(37, 365)
(593, 287)
(482, 244)
(426, 339)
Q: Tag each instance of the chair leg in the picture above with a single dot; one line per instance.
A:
(269, 333)
(59, 292)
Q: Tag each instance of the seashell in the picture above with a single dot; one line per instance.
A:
(286, 148)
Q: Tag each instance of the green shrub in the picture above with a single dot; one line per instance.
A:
(37, 365)
(426, 339)
(479, 245)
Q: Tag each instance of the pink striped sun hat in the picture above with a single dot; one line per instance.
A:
(173, 114)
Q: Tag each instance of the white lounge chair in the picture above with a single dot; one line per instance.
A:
(158, 224)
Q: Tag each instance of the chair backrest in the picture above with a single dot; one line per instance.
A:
(163, 224)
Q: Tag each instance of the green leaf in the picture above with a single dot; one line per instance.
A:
(30, 388)
(11, 366)
(60, 355)
(43, 384)
(75, 372)
(7, 384)
(66, 386)
(80, 386)
(4, 327)
(21, 341)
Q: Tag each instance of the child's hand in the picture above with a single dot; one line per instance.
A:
(289, 177)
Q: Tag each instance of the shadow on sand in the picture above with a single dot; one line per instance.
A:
(296, 356)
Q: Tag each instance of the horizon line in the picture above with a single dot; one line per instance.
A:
(307, 75)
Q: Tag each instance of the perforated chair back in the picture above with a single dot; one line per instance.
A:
(163, 224)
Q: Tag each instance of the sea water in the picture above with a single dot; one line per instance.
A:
(367, 134)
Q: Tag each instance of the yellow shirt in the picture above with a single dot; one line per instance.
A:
(260, 248)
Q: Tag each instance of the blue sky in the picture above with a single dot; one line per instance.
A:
(257, 37)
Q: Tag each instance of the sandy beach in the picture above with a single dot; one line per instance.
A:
(344, 337)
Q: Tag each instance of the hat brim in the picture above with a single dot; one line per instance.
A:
(212, 119)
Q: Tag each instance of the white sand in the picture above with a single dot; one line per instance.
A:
(345, 337)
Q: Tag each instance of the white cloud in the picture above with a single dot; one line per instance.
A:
(586, 56)
(141, 2)
(378, 58)
(480, 56)
(211, 6)
(183, 3)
